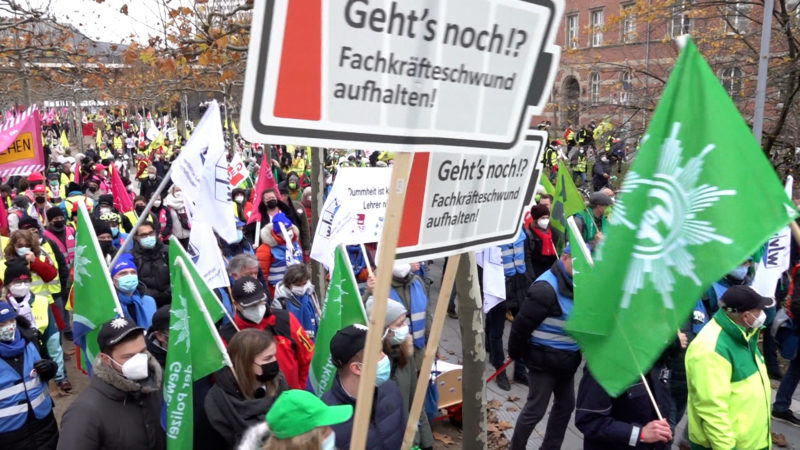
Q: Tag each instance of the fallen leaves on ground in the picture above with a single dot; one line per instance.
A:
(443, 438)
(779, 440)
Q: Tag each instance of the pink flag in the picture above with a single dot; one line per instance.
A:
(122, 200)
(21, 150)
(265, 181)
(3, 219)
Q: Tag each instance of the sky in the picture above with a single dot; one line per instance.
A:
(104, 21)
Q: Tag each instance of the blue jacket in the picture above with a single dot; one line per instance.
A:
(514, 256)
(20, 393)
(301, 307)
(386, 422)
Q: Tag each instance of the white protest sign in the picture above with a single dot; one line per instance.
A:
(448, 76)
(354, 211)
(453, 203)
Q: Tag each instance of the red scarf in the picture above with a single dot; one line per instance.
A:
(547, 240)
(244, 324)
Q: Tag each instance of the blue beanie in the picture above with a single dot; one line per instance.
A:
(281, 218)
(6, 312)
(125, 262)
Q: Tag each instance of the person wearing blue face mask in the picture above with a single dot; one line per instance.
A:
(387, 421)
(399, 348)
(136, 305)
(240, 244)
(151, 258)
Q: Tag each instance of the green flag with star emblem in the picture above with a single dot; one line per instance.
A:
(94, 299)
(192, 351)
(342, 308)
(699, 199)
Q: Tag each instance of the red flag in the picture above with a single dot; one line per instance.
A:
(3, 218)
(265, 181)
(122, 200)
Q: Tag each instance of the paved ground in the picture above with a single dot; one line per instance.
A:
(450, 350)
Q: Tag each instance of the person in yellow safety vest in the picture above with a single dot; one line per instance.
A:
(139, 204)
(67, 174)
(167, 149)
(117, 142)
(70, 204)
(103, 152)
(23, 249)
(298, 162)
(579, 168)
(386, 157)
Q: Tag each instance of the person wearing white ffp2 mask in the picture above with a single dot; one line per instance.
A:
(121, 408)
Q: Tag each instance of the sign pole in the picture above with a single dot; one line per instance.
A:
(448, 282)
(372, 348)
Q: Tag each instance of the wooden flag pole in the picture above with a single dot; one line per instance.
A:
(366, 259)
(372, 348)
(448, 281)
(588, 256)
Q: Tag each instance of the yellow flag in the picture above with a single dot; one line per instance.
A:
(63, 140)
(99, 138)
(157, 142)
(233, 127)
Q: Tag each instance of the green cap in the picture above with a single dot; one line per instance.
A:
(296, 412)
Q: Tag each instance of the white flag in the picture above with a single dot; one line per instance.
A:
(237, 170)
(201, 171)
(210, 263)
(152, 130)
(775, 260)
(354, 211)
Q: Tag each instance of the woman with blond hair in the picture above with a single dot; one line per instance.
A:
(298, 420)
(242, 396)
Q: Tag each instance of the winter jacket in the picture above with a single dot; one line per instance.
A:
(535, 262)
(34, 426)
(599, 181)
(303, 308)
(540, 303)
(229, 413)
(386, 421)
(178, 216)
(294, 348)
(405, 378)
(401, 289)
(115, 413)
(615, 423)
(155, 349)
(148, 186)
(273, 257)
(729, 391)
(152, 266)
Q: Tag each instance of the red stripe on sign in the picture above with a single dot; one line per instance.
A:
(415, 196)
(300, 73)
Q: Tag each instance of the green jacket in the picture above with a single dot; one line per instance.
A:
(729, 391)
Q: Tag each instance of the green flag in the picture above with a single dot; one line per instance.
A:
(547, 185)
(342, 308)
(213, 306)
(699, 199)
(567, 202)
(192, 353)
(94, 299)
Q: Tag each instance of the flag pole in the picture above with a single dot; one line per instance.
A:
(258, 233)
(206, 316)
(142, 216)
(219, 302)
(584, 249)
(96, 244)
(366, 259)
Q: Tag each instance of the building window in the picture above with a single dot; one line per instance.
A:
(596, 28)
(732, 81)
(681, 22)
(594, 88)
(628, 27)
(735, 20)
(572, 31)
(626, 80)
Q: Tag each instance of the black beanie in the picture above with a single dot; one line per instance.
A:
(108, 199)
(101, 228)
(15, 269)
(28, 222)
(54, 212)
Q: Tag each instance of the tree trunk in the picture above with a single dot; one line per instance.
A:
(470, 319)
(317, 189)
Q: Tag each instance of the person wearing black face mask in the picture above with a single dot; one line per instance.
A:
(132, 216)
(104, 238)
(60, 233)
(242, 396)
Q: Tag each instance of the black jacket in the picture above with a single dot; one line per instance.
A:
(614, 423)
(152, 266)
(229, 413)
(148, 186)
(535, 262)
(115, 413)
(386, 422)
(598, 180)
(155, 349)
(541, 303)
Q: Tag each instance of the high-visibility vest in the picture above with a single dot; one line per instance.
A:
(18, 393)
(68, 248)
(550, 333)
